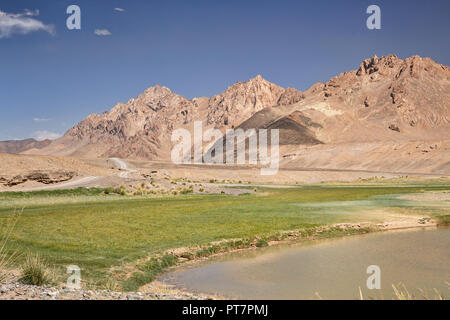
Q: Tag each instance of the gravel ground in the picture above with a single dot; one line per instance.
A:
(12, 289)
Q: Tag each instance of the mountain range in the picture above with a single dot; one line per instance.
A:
(18, 146)
(385, 102)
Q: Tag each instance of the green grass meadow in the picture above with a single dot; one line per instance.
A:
(97, 231)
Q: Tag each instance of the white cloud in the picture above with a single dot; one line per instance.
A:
(22, 23)
(44, 134)
(31, 13)
(41, 119)
(119, 9)
(102, 32)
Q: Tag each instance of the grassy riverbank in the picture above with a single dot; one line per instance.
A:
(105, 232)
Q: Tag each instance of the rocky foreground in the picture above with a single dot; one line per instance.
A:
(13, 289)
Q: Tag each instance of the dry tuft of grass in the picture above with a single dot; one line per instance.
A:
(402, 293)
(35, 271)
(5, 233)
(112, 285)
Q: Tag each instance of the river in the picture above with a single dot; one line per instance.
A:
(328, 269)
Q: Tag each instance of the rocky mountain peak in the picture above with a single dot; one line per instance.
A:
(243, 99)
(258, 78)
(375, 64)
(155, 92)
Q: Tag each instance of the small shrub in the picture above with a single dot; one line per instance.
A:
(208, 251)
(111, 285)
(235, 244)
(121, 190)
(35, 271)
(187, 255)
(261, 243)
(149, 271)
(186, 191)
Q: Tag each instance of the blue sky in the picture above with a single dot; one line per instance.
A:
(52, 77)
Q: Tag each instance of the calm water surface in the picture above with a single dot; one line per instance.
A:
(334, 269)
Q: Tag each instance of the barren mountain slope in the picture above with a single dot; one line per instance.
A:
(18, 169)
(386, 99)
(18, 146)
(388, 115)
(243, 99)
(405, 158)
